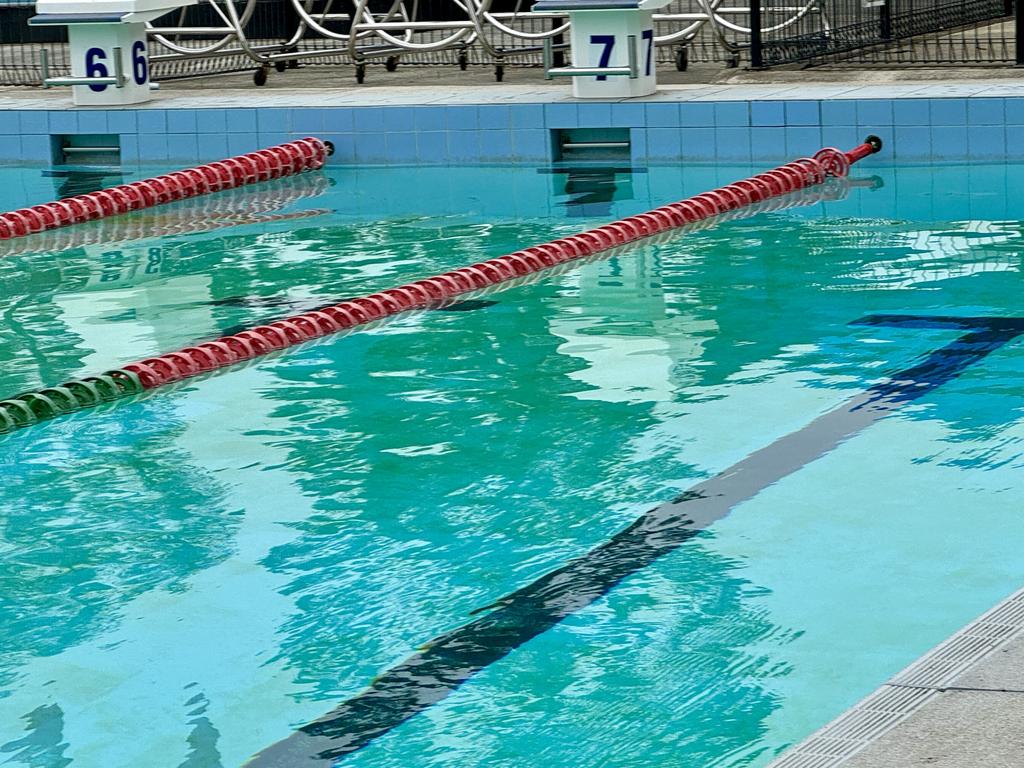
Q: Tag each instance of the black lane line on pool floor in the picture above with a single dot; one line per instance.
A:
(447, 661)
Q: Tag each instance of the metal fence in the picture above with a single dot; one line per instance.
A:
(892, 32)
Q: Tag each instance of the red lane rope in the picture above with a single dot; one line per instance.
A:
(255, 342)
(263, 164)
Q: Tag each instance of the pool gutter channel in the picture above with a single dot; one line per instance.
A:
(916, 689)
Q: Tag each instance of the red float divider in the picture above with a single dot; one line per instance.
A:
(153, 372)
(263, 164)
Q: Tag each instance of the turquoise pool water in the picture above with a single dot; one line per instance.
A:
(188, 578)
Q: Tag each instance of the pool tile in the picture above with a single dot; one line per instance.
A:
(767, 113)
(269, 120)
(948, 111)
(527, 116)
(1015, 142)
(802, 141)
(307, 121)
(912, 142)
(63, 121)
(949, 142)
(842, 137)
(33, 121)
(595, 115)
(272, 138)
(401, 147)
(370, 148)
(627, 115)
(397, 119)
(337, 120)
(432, 146)
(130, 149)
(532, 144)
(367, 120)
(10, 146)
(181, 121)
(693, 144)
(430, 119)
(492, 116)
(241, 120)
(496, 146)
(874, 112)
(1014, 109)
(561, 116)
(839, 112)
(458, 118)
(463, 147)
(768, 145)
(210, 121)
(666, 143)
(152, 147)
(733, 144)
(344, 147)
(911, 112)
(985, 112)
(662, 115)
(241, 143)
(152, 121)
(182, 147)
(803, 113)
(986, 142)
(122, 121)
(730, 114)
(212, 147)
(697, 114)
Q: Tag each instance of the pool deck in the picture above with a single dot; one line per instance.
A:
(961, 705)
(437, 86)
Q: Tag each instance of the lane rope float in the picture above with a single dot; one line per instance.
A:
(271, 163)
(262, 340)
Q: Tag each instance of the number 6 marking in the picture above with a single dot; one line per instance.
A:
(94, 67)
(608, 41)
(140, 67)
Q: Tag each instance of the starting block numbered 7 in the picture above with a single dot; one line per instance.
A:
(612, 44)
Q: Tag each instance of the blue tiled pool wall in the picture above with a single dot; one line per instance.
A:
(923, 130)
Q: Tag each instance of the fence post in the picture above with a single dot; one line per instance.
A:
(1018, 30)
(885, 20)
(756, 50)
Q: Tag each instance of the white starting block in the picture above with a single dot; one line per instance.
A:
(107, 45)
(612, 43)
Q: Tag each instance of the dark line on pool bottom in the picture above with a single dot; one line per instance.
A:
(447, 661)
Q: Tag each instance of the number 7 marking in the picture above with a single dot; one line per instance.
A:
(648, 35)
(608, 41)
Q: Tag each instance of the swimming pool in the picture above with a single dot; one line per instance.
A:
(191, 576)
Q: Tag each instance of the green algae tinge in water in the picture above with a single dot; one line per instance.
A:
(188, 579)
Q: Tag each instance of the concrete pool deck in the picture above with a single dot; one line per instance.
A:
(961, 705)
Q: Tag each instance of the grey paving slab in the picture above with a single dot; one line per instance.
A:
(955, 729)
(332, 92)
(1000, 670)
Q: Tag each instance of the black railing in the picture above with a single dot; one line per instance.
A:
(908, 32)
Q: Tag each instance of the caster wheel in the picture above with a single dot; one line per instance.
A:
(733, 61)
(682, 59)
(360, 73)
(280, 66)
(391, 64)
(463, 60)
(499, 73)
(260, 76)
